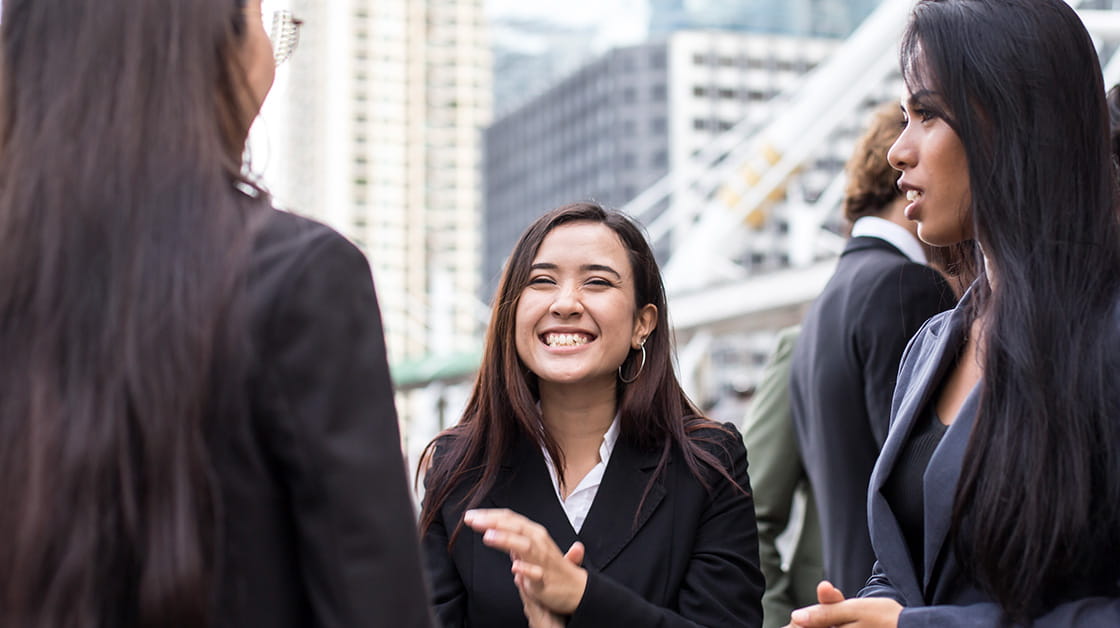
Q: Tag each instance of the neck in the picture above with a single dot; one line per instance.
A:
(578, 419)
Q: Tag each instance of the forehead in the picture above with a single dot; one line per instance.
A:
(583, 243)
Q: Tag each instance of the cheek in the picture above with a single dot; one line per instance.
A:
(523, 326)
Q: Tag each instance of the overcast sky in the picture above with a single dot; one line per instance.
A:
(621, 21)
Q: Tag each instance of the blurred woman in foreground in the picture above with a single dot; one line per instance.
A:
(196, 420)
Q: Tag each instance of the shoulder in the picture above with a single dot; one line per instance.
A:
(285, 241)
(303, 268)
(787, 338)
(902, 279)
(723, 441)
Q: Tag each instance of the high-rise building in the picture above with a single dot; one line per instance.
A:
(628, 118)
(374, 126)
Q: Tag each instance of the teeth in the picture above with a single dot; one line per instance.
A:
(913, 195)
(565, 340)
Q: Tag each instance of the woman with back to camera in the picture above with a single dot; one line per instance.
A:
(996, 498)
(196, 420)
(579, 459)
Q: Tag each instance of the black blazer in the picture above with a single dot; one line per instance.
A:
(680, 557)
(937, 593)
(842, 377)
(316, 522)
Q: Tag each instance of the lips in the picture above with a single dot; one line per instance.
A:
(913, 195)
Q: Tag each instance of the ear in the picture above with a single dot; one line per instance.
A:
(644, 324)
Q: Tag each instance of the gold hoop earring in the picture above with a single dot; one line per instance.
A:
(641, 366)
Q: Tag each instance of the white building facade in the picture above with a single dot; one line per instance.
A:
(374, 126)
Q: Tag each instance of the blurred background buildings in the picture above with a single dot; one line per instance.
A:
(431, 132)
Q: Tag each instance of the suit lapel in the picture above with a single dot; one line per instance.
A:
(934, 359)
(610, 524)
(529, 491)
(940, 482)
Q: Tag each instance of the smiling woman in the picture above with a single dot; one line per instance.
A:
(589, 473)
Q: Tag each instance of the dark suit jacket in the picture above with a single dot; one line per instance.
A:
(936, 593)
(842, 378)
(317, 526)
(691, 560)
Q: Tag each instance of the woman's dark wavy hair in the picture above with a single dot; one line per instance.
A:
(1038, 503)
(653, 411)
(122, 240)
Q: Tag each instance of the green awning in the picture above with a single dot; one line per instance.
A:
(434, 368)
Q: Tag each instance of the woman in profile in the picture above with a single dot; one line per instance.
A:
(196, 421)
(580, 462)
(996, 498)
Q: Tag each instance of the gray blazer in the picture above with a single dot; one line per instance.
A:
(937, 593)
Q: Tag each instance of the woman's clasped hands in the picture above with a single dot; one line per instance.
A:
(834, 610)
(551, 583)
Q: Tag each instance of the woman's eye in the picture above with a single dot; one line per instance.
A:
(596, 281)
(537, 281)
(925, 115)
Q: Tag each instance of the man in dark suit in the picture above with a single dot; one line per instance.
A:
(845, 362)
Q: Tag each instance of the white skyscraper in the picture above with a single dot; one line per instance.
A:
(374, 126)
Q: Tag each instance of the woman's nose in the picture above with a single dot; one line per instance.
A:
(567, 302)
(901, 154)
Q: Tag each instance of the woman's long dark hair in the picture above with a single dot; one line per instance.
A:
(122, 239)
(653, 411)
(1037, 508)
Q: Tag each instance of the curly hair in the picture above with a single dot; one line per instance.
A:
(871, 179)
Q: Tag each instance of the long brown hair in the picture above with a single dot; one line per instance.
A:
(653, 411)
(123, 241)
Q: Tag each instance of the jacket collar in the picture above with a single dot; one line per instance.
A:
(619, 511)
(935, 353)
(614, 517)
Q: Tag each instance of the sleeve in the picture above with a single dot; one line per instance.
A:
(1094, 611)
(776, 469)
(899, 304)
(338, 446)
(723, 584)
(879, 585)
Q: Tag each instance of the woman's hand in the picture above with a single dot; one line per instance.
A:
(834, 610)
(538, 615)
(549, 577)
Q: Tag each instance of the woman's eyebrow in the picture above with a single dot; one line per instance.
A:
(600, 268)
(921, 96)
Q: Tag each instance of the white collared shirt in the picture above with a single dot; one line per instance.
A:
(579, 501)
(894, 234)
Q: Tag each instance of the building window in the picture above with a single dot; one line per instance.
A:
(699, 91)
(699, 124)
(658, 93)
(657, 126)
